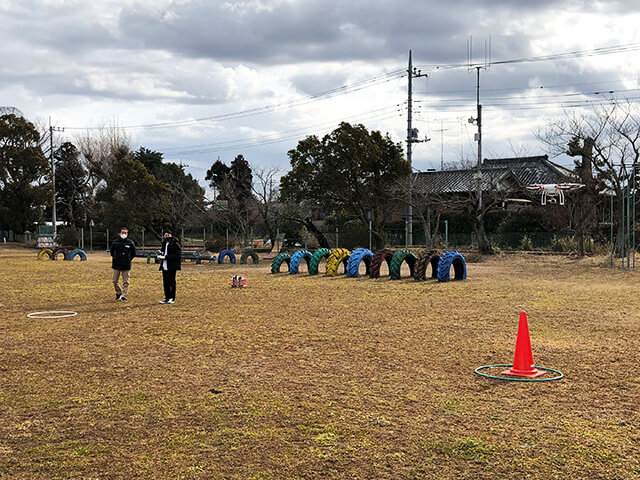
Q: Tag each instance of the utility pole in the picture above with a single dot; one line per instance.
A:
(479, 121)
(483, 244)
(412, 137)
(53, 176)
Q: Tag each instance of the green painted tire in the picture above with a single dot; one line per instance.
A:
(398, 259)
(316, 258)
(279, 260)
(247, 254)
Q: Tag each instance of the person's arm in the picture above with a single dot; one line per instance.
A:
(173, 251)
(133, 250)
(111, 249)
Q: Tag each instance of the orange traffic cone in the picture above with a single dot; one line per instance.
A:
(523, 365)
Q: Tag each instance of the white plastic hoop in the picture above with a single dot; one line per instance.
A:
(52, 314)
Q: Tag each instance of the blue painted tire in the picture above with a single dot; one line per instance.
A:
(296, 258)
(278, 261)
(77, 251)
(227, 253)
(448, 259)
(359, 255)
(318, 255)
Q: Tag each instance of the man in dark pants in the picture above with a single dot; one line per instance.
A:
(122, 251)
(170, 255)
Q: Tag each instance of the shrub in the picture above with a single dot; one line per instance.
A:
(526, 243)
(563, 244)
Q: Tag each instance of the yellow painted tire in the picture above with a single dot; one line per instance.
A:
(45, 251)
(338, 256)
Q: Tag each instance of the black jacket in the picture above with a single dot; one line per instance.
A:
(122, 251)
(174, 253)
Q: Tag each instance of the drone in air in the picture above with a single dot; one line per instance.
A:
(553, 191)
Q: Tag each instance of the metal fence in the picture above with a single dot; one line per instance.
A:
(349, 235)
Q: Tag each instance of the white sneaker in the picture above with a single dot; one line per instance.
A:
(171, 300)
(164, 301)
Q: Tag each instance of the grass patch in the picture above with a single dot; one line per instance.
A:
(316, 377)
(466, 448)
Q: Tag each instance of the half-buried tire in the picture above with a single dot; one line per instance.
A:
(455, 259)
(398, 259)
(426, 258)
(316, 258)
(77, 253)
(60, 251)
(249, 253)
(376, 262)
(296, 258)
(338, 256)
(278, 261)
(357, 256)
(227, 253)
(45, 252)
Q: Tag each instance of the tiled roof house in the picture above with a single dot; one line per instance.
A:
(505, 174)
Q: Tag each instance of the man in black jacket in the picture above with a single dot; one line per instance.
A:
(170, 256)
(122, 251)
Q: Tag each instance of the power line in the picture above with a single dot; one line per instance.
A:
(552, 95)
(540, 87)
(360, 117)
(625, 48)
(346, 89)
(271, 139)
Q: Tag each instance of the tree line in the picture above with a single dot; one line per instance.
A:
(351, 176)
(101, 178)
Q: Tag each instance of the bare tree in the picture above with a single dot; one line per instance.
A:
(101, 148)
(266, 188)
(426, 203)
(239, 212)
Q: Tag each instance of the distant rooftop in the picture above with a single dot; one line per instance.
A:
(502, 173)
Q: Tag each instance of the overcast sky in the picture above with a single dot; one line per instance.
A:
(211, 79)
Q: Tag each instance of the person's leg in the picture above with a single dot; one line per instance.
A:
(116, 276)
(126, 274)
(172, 284)
(166, 284)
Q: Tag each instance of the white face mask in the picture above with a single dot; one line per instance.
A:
(123, 236)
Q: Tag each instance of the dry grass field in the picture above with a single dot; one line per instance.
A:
(300, 377)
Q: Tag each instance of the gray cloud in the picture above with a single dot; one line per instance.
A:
(189, 59)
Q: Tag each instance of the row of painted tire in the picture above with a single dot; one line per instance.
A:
(66, 255)
(243, 259)
(418, 264)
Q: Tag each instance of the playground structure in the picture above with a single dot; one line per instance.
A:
(418, 264)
